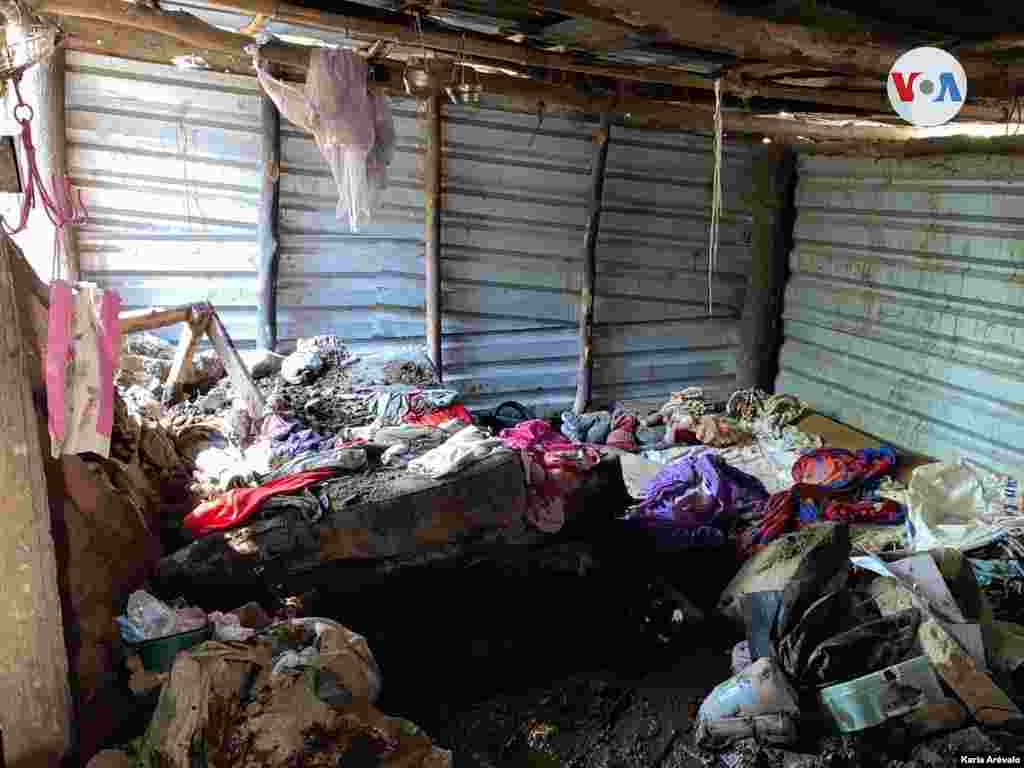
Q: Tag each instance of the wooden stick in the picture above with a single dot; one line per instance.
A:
(240, 378)
(36, 707)
(153, 318)
(585, 370)
(267, 221)
(182, 367)
(430, 127)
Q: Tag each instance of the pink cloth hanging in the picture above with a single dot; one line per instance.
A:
(58, 351)
(83, 347)
(110, 353)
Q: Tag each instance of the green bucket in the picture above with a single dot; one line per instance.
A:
(158, 655)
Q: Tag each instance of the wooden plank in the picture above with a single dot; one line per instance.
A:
(985, 701)
(181, 368)
(151, 319)
(586, 310)
(430, 126)
(855, 49)
(267, 222)
(36, 707)
(772, 181)
(467, 45)
(240, 378)
(183, 26)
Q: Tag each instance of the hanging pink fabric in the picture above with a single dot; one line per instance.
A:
(354, 129)
(110, 352)
(83, 337)
(58, 351)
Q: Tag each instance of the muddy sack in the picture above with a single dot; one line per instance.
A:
(297, 694)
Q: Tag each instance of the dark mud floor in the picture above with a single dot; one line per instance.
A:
(550, 661)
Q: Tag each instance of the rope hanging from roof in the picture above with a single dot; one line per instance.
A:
(716, 197)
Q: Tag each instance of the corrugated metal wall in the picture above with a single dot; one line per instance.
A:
(514, 220)
(904, 314)
(168, 164)
(167, 160)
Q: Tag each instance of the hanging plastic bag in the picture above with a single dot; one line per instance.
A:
(348, 124)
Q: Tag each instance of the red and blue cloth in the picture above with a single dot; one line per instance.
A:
(838, 469)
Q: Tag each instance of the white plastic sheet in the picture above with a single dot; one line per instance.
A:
(954, 505)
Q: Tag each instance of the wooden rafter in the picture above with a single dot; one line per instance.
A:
(108, 19)
(704, 24)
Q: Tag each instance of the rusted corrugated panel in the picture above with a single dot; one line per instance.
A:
(512, 231)
(654, 333)
(904, 316)
(368, 286)
(515, 212)
(166, 161)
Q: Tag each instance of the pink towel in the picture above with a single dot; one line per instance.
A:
(109, 352)
(58, 350)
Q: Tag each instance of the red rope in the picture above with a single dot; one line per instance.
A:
(63, 208)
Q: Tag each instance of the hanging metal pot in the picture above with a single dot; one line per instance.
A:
(469, 93)
(419, 81)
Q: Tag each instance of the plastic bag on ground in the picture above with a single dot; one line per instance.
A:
(950, 506)
(151, 616)
(760, 689)
(228, 628)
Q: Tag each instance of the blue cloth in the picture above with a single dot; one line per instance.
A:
(588, 427)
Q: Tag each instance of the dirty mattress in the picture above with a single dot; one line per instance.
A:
(392, 516)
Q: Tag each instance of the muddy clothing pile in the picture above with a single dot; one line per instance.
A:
(301, 693)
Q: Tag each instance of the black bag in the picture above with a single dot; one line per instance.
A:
(505, 416)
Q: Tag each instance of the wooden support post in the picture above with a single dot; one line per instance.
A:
(584, 374)
(430, 130)
(270, 151)
(44, 90)
(35, 710)
(240, 378)
(181, 368)
(761, 321)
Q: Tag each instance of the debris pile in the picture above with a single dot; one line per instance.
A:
(296, 693)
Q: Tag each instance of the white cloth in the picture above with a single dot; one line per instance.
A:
(465, 447)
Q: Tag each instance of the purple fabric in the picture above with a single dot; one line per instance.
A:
(302, 441)
(698, 491)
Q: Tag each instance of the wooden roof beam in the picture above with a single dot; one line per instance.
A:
(704, 24)
(181, 35)
(456, 44)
